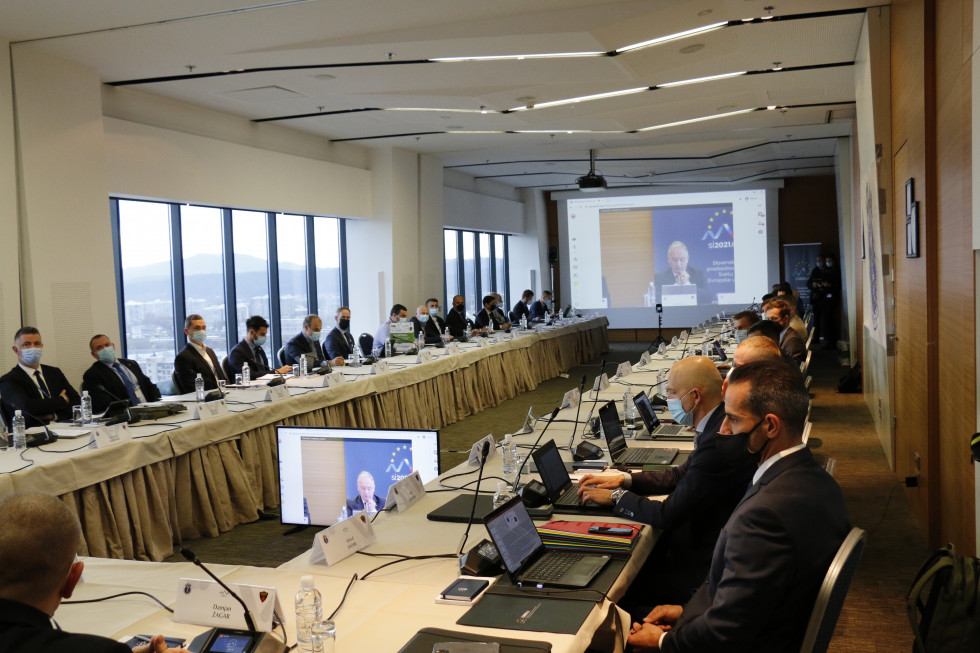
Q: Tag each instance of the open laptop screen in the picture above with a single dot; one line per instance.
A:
(513, 534)
(609, 418)
(645, 409)
(552, 469)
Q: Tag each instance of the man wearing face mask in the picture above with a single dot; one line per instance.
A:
(421, 321)
(306, 342)
(789, 341)
(702, 492)
(111, 378)
(773, 552)
(521, 308)
(436, 325)
(41, 392)
(340, 343)
(249, 351)
(488, 314)
(456, 321)
(539, 309)
(196, 358)
(396, 315)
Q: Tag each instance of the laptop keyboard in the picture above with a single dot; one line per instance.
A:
(553, 566)
(569, 499)
(634, 456)
(669, 429)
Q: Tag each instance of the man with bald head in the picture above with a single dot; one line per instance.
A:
(702, 492)
(679, 273)
(38, 542)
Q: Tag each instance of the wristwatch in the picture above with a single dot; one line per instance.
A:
(617, 495)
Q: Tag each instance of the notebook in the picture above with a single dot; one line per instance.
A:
(528, 561)
(619, 453)
(561, 490)
(654, 429)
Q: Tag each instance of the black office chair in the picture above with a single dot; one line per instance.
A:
(833, 591)
(226, 368)
(281, 355)
(366, 341)
(513, 317)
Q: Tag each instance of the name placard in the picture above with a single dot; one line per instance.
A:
(379, 367)
(335, 379)
(205, 603)
(277, 393)
(477, 449)
(483, 342)
(571, 398)
(452, 348)
(646, 359)
(110, 436)
(624, 369)
(210, 409)
(339, 541)
(406, 492)
(601, 383)
(425, 355)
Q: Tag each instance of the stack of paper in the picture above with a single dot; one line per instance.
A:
(575, 536)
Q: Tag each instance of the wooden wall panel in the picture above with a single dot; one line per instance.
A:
(808, 213)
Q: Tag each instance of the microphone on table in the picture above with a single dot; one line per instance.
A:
(602, 371)
(36, 439)
(520, 470)
(578, 411)
(124, 416)
(191, 557)
(484, 452)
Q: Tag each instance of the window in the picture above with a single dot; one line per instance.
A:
(224, 264)
(481, 269)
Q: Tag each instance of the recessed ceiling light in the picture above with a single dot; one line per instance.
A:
(691, 49)
(705, 12)
(324, 77)
(727, 107)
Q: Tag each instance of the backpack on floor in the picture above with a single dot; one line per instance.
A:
(949, 619)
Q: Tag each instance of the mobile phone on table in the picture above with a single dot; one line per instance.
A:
(609, 530)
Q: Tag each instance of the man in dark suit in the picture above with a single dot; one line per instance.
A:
(436, 325)
(521, 308)
(249, 351)
(539, 309)
(340, 343)
(774, 551)
(306, 342)
(366, 499)
(421, 321)
(38, 570)
(40, 392)
(488, 314)
(679, 273)
(197, 358)
(702, 493)
(456, 320)
(111, 378)
(789, 341)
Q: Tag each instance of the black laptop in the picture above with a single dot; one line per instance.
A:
(528, 561)
(622, 455)
(562, 492)
(654, 429)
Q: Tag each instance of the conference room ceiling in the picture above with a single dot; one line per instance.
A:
(342, 71)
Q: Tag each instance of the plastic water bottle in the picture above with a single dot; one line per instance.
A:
(387, 348)
(490, 327)
(20, 432)
(246, 374)
(199, 387)
(502, 495)
(523, 322)
(309, 611)
(356, 356)
(505, 455)
(629, 412)
(86, 408)
(303, 366)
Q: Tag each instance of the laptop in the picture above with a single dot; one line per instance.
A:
(619, 453)
(654, 429)
(528, 561)
(562, 492)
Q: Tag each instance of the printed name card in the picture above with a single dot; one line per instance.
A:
(210, 409)
(406, 492)
(483, 342)
(646, 359)
(571, 398)
(341, 540)
(425, 355)
(379, 367)
(110, 436)
(277, 393)
(335, 379)
(452, 348)
(624, 369)
(601, 383)
(477, 449)
(205, 603)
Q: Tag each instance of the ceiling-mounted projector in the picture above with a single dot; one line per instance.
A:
(591, 182)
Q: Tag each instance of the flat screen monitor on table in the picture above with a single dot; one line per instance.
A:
(319, 468)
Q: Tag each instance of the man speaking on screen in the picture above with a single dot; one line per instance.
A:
(681, 274)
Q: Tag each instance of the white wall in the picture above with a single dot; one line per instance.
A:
(475, 211)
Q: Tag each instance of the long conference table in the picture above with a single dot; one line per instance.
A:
(183, 478)
(383, 612)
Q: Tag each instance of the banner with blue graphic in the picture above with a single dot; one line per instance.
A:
(386, 460)
(798, 262)
(707, 232)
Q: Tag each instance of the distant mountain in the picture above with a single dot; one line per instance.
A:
(204, 264)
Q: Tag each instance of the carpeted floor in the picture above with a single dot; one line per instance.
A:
(873, 619)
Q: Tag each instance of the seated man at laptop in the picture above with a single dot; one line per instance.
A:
(773, 552)
(702, 492)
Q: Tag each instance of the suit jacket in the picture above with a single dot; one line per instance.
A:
(456, 322)
(100, 374)
(666, 278)
(483, 319)
(432, 334)
(339, 345)
(25, 629)
(19, 392)
(538, 310)
(357, 503)
(520, 308)
(242, 354)
(702, 493)
(768, 564)
(792, 345)
(299, 346)
(189, 364)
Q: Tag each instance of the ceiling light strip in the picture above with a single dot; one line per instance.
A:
(704, 29)
(701, 119)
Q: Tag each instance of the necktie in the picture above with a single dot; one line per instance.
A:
(350, 343)
(317, 351)
(260, 357)
(130, 388)
(42, 384)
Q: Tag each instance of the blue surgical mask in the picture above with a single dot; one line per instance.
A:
(315, 336)
(199, 336)
(260, 340)
(433, 311)
(31, 356)
(423, 318)
(107, 355)
(676, 408)
(829, 264)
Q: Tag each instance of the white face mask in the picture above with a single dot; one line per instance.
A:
(676, 408)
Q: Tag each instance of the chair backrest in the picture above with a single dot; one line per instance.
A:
(366, 342)
(281, 355)
(830, 466)
(176, 382)
(807, 381)
(806, 430)
(809, 341)
(805, 365)
(833, 591)
(512, 317)
(226, 368)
